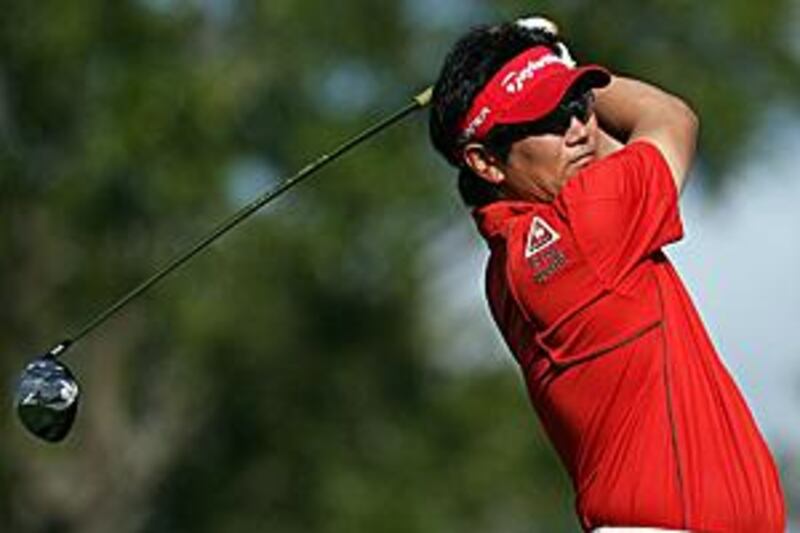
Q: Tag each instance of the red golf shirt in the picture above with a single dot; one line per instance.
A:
(648, 422)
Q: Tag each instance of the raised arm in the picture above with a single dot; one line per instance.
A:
(634, 110)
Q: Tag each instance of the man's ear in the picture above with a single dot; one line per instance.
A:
(483, 163)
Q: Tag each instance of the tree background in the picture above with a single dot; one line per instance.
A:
(296, 377)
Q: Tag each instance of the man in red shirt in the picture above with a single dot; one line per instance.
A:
(646, 419)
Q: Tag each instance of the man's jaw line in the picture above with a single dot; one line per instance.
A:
(584, 159)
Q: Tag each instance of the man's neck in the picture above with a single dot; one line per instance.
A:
(606, 144)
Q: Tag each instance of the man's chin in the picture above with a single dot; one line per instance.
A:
(579, 164)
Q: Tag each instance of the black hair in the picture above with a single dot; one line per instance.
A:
(468, 67)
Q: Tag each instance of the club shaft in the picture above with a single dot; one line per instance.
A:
(419, 102)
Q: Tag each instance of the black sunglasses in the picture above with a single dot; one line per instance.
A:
(580, 106)
(575, 104)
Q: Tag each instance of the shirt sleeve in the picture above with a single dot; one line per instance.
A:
(622, 209)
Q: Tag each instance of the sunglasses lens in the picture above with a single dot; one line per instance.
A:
(562, 118)
(579, 107)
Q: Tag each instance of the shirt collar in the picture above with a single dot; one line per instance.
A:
(492, 219)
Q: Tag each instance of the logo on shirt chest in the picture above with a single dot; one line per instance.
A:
(541, 252)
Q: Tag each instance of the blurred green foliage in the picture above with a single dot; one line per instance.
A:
(285, 381)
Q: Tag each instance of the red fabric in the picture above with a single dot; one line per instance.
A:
(526, 89)
(648, 422)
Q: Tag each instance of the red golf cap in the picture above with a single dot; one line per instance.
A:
(527, 88)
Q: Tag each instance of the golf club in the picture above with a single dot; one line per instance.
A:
(47, 392)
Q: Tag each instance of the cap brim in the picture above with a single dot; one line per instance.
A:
(551, 90)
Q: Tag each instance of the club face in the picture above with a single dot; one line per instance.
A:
(46, 399)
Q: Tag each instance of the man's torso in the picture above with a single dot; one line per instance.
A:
(618, 365)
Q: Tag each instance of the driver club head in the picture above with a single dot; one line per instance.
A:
(46, 398)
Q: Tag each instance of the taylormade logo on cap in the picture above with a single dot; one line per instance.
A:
(514, 81)
(510, 84)
(526, 88)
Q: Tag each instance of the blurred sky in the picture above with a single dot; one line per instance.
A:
(739, 260)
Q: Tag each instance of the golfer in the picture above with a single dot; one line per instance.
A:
(574, 175)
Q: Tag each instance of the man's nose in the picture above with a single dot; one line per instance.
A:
(577, 132)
